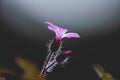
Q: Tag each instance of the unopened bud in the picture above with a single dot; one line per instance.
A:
(55, 45)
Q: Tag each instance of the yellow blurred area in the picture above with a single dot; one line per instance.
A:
(31, 72)
(102, 73)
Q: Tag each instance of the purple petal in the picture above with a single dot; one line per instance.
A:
(59, 31)
(67, 52)
(57, 28)
(52, 27)
(50, 24)
(62, 30)
(71, 35)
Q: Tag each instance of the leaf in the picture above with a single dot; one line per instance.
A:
(31, 71)
(102, 73)
(6, 71)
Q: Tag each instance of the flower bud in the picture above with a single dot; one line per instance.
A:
(55, 45)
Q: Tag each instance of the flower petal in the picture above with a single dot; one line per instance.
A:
(67, 52)
(57, 28)
(62, 30)
(59, 31)
(71, 35)
(50, 24)
(52, 27)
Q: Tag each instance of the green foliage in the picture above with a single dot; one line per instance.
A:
(102, 73)
(6, 71)
(31, 72)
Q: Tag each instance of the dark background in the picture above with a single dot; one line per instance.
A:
(103, 49)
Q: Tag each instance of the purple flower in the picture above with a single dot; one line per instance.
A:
(67, 52)
(61, 32)
(56, 56)
(62, 58)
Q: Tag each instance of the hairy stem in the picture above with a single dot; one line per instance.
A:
(46, 63)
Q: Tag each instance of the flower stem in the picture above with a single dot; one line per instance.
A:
(51, 64)
(46, 63)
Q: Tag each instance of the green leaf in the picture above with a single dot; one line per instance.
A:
(31, 72)
(102, 73)
(6, 71)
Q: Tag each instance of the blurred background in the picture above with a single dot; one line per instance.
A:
(23, 33)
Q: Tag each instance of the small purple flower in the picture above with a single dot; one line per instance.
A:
(63, 57)
(61, 32)
(67, 52)
(56, 56)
